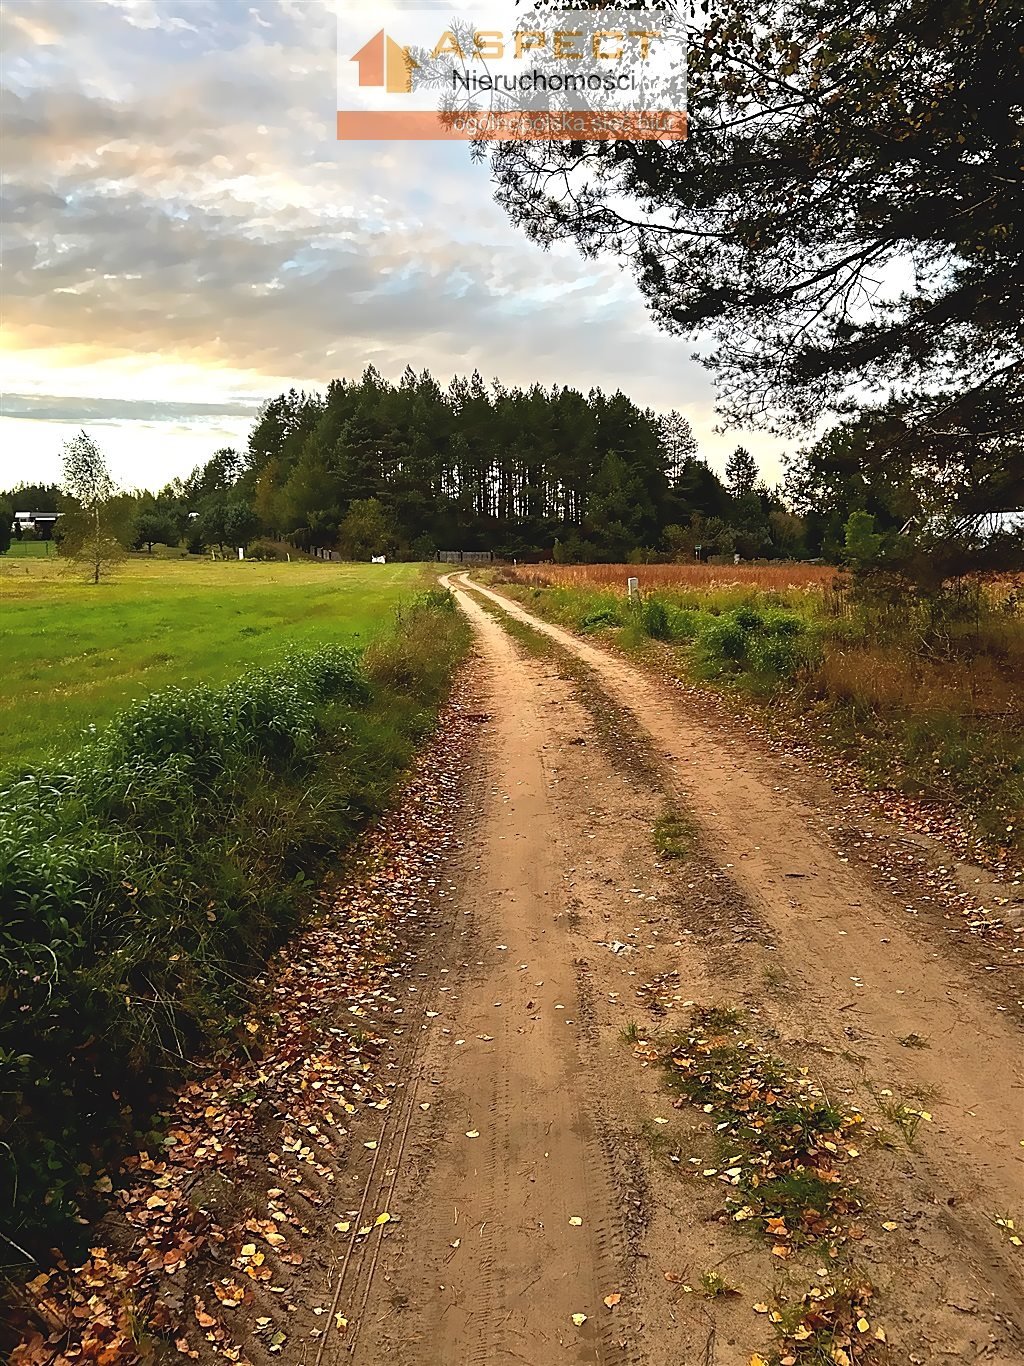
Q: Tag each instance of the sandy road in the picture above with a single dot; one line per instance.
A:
(516, 1228)
(530, 1188)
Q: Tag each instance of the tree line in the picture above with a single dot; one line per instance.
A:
(406, 469)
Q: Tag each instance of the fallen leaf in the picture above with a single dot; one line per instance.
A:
(575, 1220)
(579, 1320)
(472, 1133)
(612, 1300)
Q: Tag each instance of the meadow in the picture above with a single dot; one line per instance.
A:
(75, 653)
(925, 694)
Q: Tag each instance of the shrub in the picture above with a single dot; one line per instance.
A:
(685, 622)
(775, 656)
(772, 644)
(721, 642)
(654, 619)
(600, 619)
(264, 550)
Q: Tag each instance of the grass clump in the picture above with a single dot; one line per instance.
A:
(906, 1119)
(784, 1145)
(831, 1325)
(672, 836)
(145, 878)
(714, 1285)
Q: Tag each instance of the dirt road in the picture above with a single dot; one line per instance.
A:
(542, 1168)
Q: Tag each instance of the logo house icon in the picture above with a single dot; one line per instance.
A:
(383, 62)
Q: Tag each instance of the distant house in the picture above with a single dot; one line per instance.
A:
(41, 523)
(980, 527)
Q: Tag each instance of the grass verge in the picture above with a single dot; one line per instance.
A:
(145, 879)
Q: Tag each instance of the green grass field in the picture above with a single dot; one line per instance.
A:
(73, 653)
(32, 550)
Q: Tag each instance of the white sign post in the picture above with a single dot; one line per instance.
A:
(633, 588)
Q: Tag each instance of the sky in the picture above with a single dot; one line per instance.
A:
(184, 237)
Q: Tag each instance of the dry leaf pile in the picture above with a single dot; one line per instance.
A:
(830, 1324)
(785, 1157)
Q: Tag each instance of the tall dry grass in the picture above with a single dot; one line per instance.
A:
(769, 578)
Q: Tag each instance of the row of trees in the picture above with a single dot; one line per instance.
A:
(521, 472)
(370, 467)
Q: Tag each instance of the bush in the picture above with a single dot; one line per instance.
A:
(721, 642)
(772, 644)
(264, 550)
(685, 622)
(654, 619)
(143, 882)
(600, 619)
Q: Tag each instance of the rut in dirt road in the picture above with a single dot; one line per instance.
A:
(517, 1227)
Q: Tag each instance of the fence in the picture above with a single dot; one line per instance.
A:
(466, 556)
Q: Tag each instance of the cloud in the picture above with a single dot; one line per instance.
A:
(57, 408)
(181, 223)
